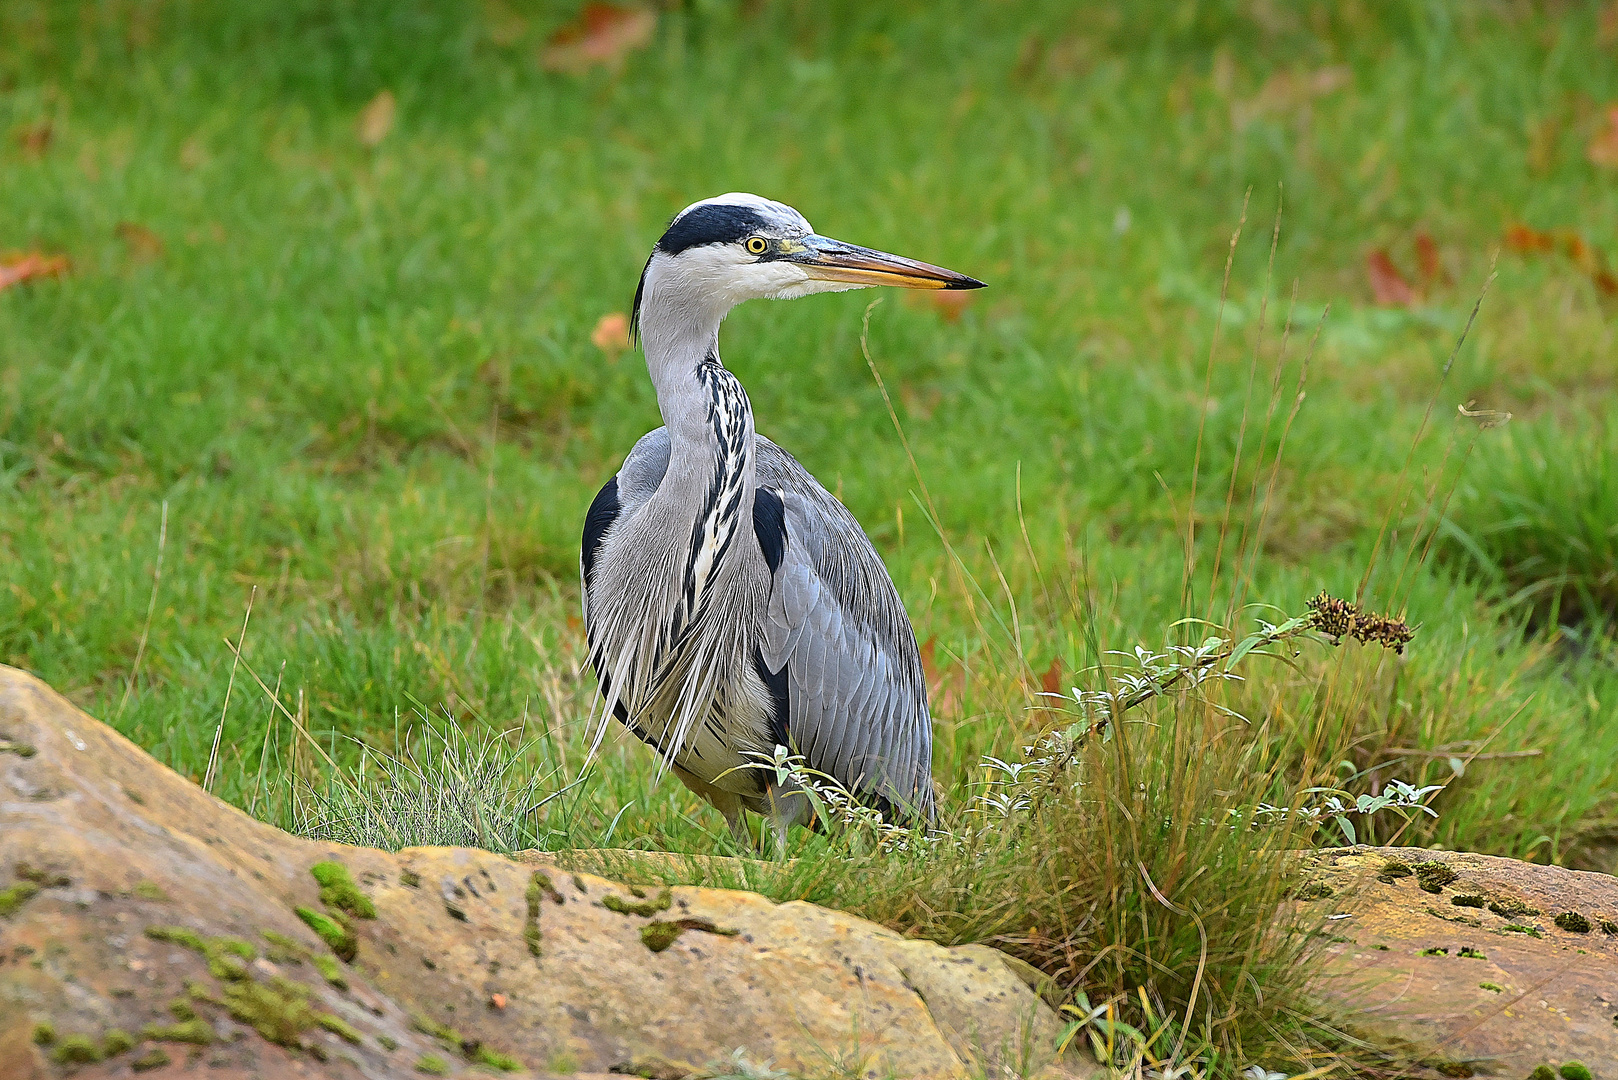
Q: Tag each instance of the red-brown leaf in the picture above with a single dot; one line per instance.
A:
(602, 34)
(1427, 258)
(1051, 681)
(18, 267)
(1388, 286)
(1528, 240)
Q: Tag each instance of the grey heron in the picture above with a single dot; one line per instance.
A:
(731, 603)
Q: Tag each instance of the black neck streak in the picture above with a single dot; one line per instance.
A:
(720, 519)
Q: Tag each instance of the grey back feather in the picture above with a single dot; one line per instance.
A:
(857, 695)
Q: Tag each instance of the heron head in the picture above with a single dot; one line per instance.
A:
(722, 251)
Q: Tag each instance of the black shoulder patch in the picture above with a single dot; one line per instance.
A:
(780, 702)
(770, 525)
(602, 513)
(715, 223)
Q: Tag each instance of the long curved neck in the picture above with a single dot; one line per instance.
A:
(711, 441)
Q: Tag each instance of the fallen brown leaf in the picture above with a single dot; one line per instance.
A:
(1427, 259)
(18, 267)
(1602, 149)
(35, 139)
(1388, 286)
(1528, 240)
(1051, 681)
(601, 35)
(144, 244)
(376, 119)
(497, 1000)
(611, 335)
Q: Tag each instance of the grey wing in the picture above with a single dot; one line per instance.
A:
(856, 693)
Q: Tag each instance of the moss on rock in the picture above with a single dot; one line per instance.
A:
(645, 908)
(339, 938)
(338, 891)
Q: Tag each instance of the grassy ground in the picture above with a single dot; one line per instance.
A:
(360, 380)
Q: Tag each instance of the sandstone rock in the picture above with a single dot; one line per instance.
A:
(1497, 964)
(145, 924)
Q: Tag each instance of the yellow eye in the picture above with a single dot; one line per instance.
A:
(757, 245)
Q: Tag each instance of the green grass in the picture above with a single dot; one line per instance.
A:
(361, 382)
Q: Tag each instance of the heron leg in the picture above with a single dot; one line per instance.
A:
(727, 803)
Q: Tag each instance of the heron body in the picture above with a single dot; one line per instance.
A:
(731, 603)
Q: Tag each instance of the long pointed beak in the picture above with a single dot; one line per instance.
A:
(833, 260)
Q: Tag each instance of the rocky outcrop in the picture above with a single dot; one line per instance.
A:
(147, 927)
(1496, 965)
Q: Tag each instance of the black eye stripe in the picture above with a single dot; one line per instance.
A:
(716, 223)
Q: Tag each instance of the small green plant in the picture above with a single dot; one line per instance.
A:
(44, 1033)
(1575, 1070)
(1493, 988)
(432, 1065)
(116, 1041)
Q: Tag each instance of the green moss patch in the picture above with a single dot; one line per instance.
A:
(339, 938)
(1392, 870)
(1474, 900)
(432, 1065)
(197, 1032)
(643, 908)
(1573, 923)
(76, 1050)
(45, 879)
(116, 1041)
(1608, 926)
(539, 885)
(1469, 953)
(338, 891)
(1542, 1072)
(44, 1033)
(1435, 951)
(155, 1058)
(1493, 988)
(339, 1027)
(658, 935)
(13, 898)
(21, 749)
(330, 970)
(1433, 876)
(278, 1010)
(470, 1049)
(1509, 907)
(1519, 928)
(410, 879)
(1575, 1070)
(149, 890)
(1314, 890)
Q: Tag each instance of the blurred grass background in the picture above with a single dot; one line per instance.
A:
(361, 378)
